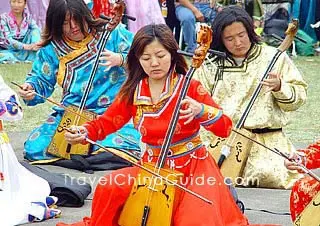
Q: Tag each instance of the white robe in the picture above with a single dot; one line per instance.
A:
(19, 187)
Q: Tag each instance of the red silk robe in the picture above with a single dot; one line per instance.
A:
(305, 189)
(187, 155)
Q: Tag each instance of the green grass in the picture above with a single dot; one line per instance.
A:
(304, 126)
(33, 116)
(305, 122)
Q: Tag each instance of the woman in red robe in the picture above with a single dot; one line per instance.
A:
(305, 189)
(155, 78)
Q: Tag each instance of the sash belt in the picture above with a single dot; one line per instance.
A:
(265, 130)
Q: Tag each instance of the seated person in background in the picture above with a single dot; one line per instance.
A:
(276, 20)
(19, 34)
(305, 189)
(254, 8)
(146, 12)
(24, 197)
(190, 11)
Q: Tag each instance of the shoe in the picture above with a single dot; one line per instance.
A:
(51, 201)
(48, 213)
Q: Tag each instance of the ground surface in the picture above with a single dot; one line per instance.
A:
(256, 200)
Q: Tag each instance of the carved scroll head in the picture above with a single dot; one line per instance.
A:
(204, 38)
(290, 34)
(118, 8)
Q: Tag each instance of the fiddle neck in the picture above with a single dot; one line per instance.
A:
(174, 119)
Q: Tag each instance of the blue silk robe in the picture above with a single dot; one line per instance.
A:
(69, 65)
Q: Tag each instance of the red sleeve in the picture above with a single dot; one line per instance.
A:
(211, 117)
(115, 117)
(312, 155)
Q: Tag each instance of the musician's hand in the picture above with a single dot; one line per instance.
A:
(110, 59)
(215, 5)
(28, 47)
(212, 3)
(273, 82)
(36, 46)
(190, 108)
(76, 134)
(27, 92)
(293, 165)
(199, 16)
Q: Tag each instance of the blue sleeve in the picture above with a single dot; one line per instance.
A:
(122, 40)
(43, 74)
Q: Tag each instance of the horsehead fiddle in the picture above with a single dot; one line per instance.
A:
(72, 114)
(310, 215)
(283, 155)
(151, 200)
(235, 146)
(59, 146)
(204, 40)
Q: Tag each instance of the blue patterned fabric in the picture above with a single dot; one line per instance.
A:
(69, 65)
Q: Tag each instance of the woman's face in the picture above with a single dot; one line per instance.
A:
(235, 38)
(72, 30)
(17, 6)
(155, 61)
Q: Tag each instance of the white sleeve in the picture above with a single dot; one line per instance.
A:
(10, 108)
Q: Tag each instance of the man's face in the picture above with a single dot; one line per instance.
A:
(236, 40)
(71, 29)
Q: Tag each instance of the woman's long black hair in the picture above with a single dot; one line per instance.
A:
(146, 35)
(56, 15)
(225, 18)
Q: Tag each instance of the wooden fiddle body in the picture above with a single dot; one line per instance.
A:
(239, 146)
(58, 145)
(151, 202)
(163, 192)
(310, 216)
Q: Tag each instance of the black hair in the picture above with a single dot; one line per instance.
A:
(226, 17)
